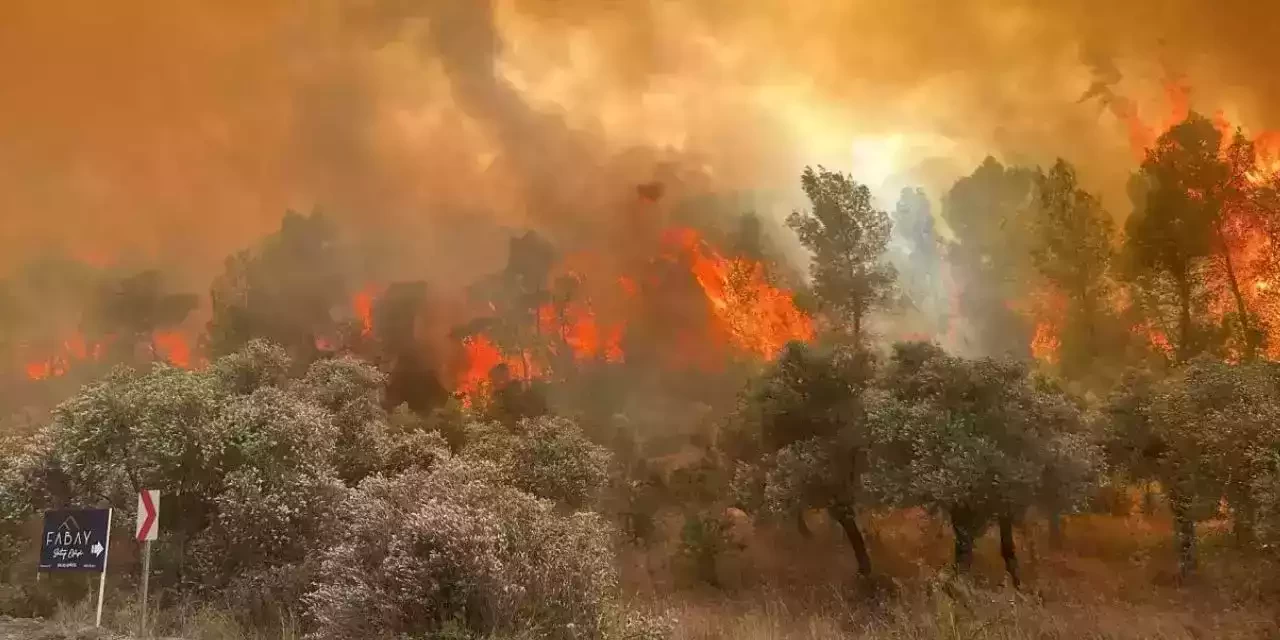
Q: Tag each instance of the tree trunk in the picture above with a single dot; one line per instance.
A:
(802, 526)
(1007, 549)
(845, 516)
(1246, 341)
(1184, 529)
(1242, 522)
(966, 527)
(1184, 317)
(1055, 529)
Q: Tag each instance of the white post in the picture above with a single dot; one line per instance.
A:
(146, 578)
(102, 581)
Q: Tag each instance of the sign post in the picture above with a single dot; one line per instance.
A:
(77, 540)
(148, 527)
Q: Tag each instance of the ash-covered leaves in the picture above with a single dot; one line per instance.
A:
(276, 487)
(424, 551)
(546, 456)
(975, 435)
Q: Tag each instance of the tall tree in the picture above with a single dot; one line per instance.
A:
(1073, 250)
(848, 237)
(284, 290)
(913, 223)
(988, 211)
(1178, 232)
(414, 378)
(135, 308)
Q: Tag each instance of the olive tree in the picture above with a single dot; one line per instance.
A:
(1205, 432)
(801, 436)
(977, 440)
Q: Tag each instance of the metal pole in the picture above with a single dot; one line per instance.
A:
(102, 581)
(146, 579)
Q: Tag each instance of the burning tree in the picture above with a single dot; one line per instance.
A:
(284, 290)
(1073, 251)
(138, 310)
(848, 237)
(1179, 242)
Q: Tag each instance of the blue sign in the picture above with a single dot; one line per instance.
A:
(75, 540)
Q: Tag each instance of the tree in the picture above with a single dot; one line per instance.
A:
(413, 377)
(1073, 251)
(801, 422)
(989, 214)
(977, 440)
(248, 460)
(1178, 231)
(283, 290)
(1203, 433)
(913, 223)
(133, 309)
(351, 391)
(848, 237)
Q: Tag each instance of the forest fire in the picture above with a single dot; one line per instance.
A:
(745, 314)
(362, 305)
(758, 317)
(1047, 312)
(67, 354)
(173, 347)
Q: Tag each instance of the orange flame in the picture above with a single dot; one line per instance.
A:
(362, 304)
(172, 347)
(758, 317)
(66, 354)
(747, 313)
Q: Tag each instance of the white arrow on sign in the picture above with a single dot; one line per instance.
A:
(148, 515)
(96, 549)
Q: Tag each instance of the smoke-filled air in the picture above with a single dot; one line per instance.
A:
(660, 319)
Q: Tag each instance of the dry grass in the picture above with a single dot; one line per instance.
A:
(1113, 578)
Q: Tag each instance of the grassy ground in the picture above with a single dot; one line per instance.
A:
(1113, 578)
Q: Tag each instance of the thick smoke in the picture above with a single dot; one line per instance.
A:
(170, 134)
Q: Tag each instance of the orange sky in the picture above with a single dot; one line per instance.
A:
(141, 133)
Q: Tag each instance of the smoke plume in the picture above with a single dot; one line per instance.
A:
(136, 133)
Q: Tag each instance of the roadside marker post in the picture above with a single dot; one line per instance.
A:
(147, 528)
(102, 577)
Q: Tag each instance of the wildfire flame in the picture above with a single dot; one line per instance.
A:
(758, 317)
(65, 355)
(746, 313)
(172, 347)
(362, 305)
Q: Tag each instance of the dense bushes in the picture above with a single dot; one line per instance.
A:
(280, 492)
(546, 456)
(456, 546)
